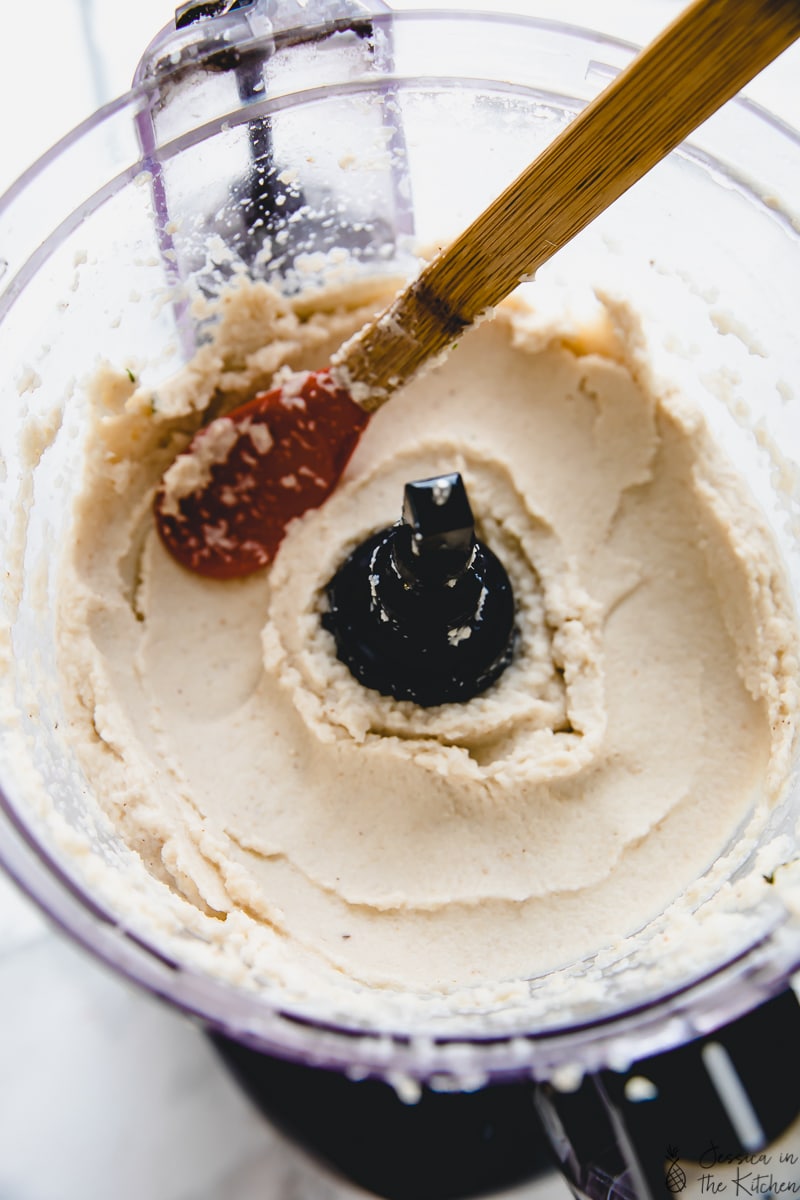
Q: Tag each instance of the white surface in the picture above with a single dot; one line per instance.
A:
(106, 1093)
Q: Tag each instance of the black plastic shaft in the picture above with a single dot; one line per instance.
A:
(422, 610)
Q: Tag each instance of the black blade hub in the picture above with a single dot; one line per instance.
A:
(423, 611)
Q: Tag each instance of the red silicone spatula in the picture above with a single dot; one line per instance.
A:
(224, 506)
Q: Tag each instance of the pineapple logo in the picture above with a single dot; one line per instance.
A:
(675, 1178)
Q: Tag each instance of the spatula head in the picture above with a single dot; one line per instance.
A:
(223, 506)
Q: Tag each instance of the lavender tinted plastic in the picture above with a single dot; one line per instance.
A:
(87, 210)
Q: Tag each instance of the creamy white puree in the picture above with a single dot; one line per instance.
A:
(329, 836)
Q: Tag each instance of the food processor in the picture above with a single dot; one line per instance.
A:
(307, 145)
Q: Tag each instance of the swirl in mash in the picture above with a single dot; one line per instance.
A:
(648, 711)
(545, 716)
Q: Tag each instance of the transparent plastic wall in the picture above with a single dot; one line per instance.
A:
(376, 148)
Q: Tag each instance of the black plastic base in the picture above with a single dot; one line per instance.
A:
(447, 1146)
(611, 1140)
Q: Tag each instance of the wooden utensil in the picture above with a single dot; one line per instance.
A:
(223, 508)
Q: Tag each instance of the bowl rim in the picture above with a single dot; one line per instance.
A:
(687, 1010)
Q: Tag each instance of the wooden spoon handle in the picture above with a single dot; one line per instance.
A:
(701, 60)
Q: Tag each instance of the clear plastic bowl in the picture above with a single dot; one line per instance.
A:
(104, 241)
